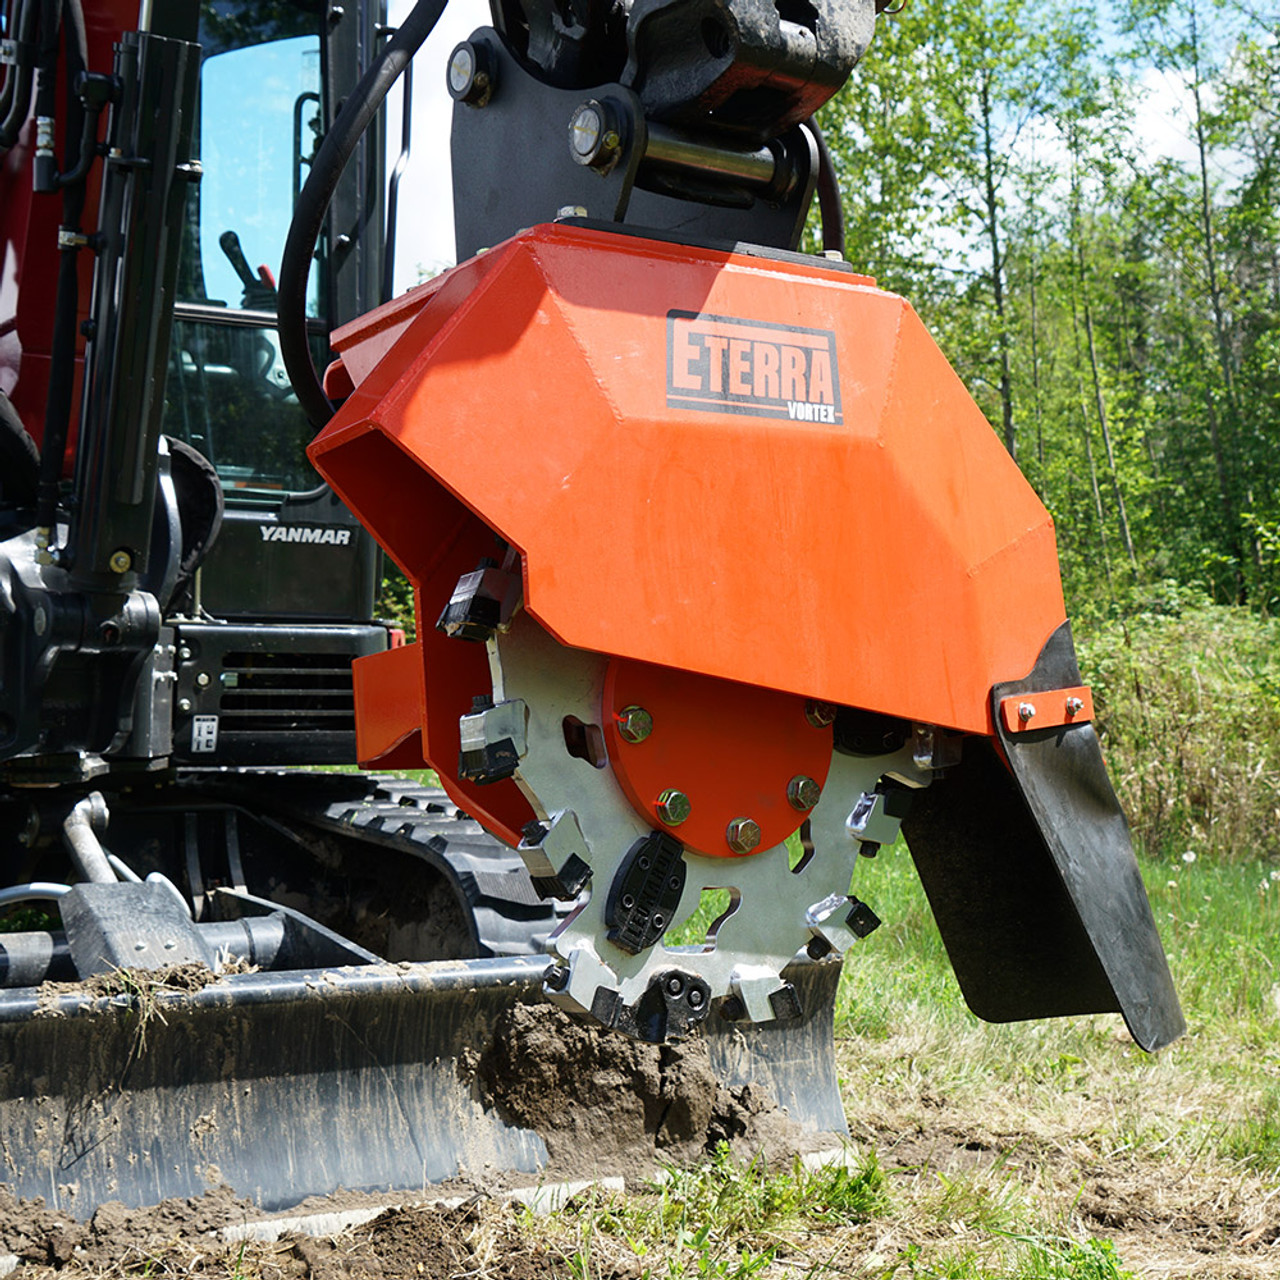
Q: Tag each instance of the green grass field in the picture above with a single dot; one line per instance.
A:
(1049, 1149)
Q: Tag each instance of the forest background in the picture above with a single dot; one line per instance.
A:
(1081, 201)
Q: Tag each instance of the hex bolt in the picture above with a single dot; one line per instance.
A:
(817, 947)
(184, 705)
(1075, 706)
(820, 714)
(202, 680)
(675, 985)
(1026, 710)
(695, 997)
(743, 835)
(673, 807)
(635, 724)
(556, 978)
(803, 792)
(121, 561)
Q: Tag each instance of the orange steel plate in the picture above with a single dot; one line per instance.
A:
(761, 471)
(1046, 710)
(730, 748)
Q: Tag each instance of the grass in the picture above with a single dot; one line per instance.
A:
(1052, 1149)
(1188, 701)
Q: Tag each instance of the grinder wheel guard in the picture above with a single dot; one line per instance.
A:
(723, 579)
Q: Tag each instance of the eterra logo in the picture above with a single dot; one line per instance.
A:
(720, 364)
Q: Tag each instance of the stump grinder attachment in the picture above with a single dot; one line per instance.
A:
(722, 581)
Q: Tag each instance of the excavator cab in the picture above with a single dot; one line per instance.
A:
(283, 598)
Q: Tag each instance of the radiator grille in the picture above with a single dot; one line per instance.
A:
(263, 692)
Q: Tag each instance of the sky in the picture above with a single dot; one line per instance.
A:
(425, 238)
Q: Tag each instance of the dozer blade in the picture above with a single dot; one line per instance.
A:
(287, 1085)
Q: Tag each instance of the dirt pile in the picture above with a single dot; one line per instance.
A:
(430, 1245)
(479, 1240)
(54, 1238)
(603, 1102)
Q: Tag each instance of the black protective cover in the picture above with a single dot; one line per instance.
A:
(1031, 875)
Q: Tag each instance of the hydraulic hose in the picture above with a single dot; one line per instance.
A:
(36, 891)
(829, 205)
(87, 853)
(313, 202)
(17, 90)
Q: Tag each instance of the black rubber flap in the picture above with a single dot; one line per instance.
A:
(1032, 878)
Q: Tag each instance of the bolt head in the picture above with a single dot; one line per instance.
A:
(593, 138)
(184, 705)
(462, 70)
(1075, 706)
(121, 561)
(202, 680)
(635, 724)
(1026, 711)
(820, 714)
(803, 792)
(467, 76)
(743, 835)
(673, 807)
(585, 132)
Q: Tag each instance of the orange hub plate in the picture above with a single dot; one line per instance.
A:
(731, 749)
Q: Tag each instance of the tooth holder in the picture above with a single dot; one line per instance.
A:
(739, 486)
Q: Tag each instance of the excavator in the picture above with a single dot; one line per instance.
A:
(721, 580)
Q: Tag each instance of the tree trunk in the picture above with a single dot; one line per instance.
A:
(1101, 407)
(997, 267)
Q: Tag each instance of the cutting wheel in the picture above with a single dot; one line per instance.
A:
(735, 759)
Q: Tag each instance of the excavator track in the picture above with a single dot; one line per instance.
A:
(506, 916)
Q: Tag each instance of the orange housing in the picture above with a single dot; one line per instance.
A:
(756, 469)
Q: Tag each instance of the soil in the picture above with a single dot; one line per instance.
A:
(478, 1240)
(187, 977)
(606, 1104)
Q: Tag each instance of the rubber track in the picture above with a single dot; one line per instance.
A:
(406, 816)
